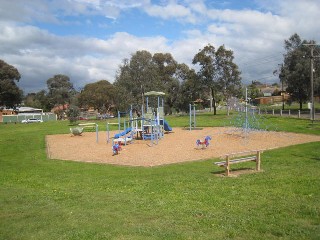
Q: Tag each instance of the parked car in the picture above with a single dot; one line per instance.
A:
(31, 120)
(83, 118)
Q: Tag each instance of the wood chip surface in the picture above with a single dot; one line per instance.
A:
(176, 147)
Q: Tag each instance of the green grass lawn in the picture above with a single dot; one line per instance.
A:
(53, 199)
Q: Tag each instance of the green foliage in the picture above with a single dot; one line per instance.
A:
(254, 91)
(37, 100)
(218, 73)
(138, 76)
(159, 72)
(10, 94)
(73, 114)
(295, 71)
(99, 95)
(61, 90)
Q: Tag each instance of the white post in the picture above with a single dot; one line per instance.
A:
(97, 133)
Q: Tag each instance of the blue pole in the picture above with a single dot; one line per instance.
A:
(119, 127)
(147, 103)
(190, 122)
(194, 116)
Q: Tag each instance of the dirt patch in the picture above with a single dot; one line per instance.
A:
(178, 146)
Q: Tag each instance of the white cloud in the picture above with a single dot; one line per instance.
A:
(256, 37)
(39, 55)
(171, 11)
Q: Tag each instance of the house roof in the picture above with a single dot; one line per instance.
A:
(28, 109)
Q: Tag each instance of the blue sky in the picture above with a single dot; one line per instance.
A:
(88, 39)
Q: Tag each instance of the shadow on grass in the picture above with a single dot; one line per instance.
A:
(236, 172)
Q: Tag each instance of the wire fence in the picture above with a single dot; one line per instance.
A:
(18, 118)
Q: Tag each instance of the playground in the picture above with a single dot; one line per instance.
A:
(176, 147)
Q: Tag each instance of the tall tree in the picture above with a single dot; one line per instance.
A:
(167, 80)
(295, 70)
(227, 74)
(190, 88)
(137, 76)
(217, 72)
(61, 90)
(99, 95)
(10, 94)
(142, 72)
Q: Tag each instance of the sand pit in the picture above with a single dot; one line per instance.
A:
(178, 146)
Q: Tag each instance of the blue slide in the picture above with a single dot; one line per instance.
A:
(123, 133)
(166, 126)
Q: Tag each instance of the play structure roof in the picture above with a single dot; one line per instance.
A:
(154, 93)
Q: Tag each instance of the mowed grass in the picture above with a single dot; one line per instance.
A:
(53, 199)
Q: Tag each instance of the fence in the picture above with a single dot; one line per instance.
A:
(284, 113)
(18, 118)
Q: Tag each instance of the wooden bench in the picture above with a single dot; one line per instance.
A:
(240, 157)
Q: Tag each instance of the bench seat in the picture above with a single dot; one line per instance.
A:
(240, 157)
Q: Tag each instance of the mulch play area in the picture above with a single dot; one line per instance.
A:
(176, 147)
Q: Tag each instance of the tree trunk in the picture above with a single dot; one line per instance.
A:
(300, 102)
(213, 102)
(210, 100)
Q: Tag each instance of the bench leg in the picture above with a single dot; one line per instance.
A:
(227, 166)
(258, 161)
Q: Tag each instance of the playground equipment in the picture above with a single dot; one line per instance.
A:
(203, 143)
(192, 119)
(122, 137)
(91, 125)
(151, 125)
(129, 130)
(116, 148)
(192, 113)
(77, 131)
(247, 120)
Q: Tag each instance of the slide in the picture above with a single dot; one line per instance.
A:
(118, 135)
(166, 126)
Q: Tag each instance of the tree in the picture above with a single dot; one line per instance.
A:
(137, 76)
(99, 95)
(167, 80)
(73, 113)
(295, 70)
(37, 100)
(190, 88)
(228, 74)
(218, 72)
(10, 94)
(254, 91)
(142, 74)
(61, 90)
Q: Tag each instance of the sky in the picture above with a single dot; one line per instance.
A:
(87, 40)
